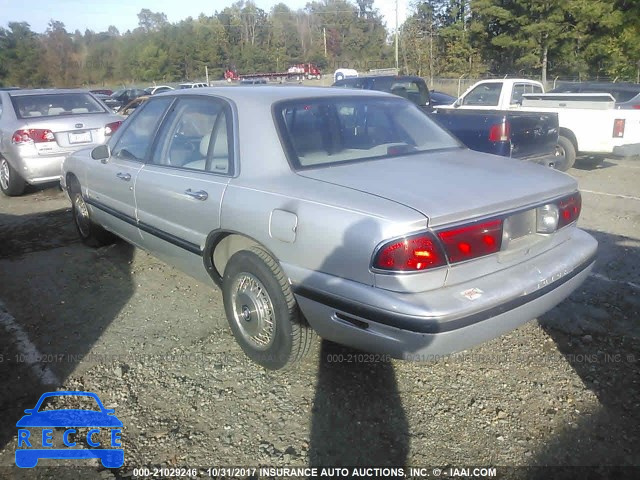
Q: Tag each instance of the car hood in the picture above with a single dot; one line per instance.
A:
(69, 418)
(450, 185)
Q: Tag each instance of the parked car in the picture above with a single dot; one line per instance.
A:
(102, 91)
(343, 212)
(519, 135)
(590, 124)
(158, 89)
(627, 95)
(342, 73)
(130, 107)
(120, 98)
(253, 81)
(183, 86)
(39, 128)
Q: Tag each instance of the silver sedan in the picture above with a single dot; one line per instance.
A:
(38, 128)
(349, 214)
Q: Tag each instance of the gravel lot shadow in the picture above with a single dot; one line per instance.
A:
(357, 417)
(59, 298)
(600, 339)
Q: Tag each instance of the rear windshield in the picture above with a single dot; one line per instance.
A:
(55, 104)
(325, 131)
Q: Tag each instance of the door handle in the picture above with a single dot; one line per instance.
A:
(199, 195)
(124, 176)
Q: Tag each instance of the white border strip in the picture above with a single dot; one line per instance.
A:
(618, 195)
(28, 350)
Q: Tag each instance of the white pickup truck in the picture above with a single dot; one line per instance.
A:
(590, 125)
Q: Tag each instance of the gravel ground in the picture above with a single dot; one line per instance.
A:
(563, 390)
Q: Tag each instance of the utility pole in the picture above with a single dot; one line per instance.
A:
(324, 34)
(396, 34)
(206, 73)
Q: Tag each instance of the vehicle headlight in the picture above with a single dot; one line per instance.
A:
(547, 218)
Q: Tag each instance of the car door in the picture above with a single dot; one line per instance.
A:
(110, 182)
(179, 191)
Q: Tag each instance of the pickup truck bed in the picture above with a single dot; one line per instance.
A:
(522, 135)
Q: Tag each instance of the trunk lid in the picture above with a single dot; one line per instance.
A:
(450, 186)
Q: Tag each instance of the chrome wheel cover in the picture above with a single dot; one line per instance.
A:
(4, 174)
(253, 311)
(81, 216)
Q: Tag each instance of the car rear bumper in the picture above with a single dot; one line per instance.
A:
(629, 150)
(421, 325)
(35, 169)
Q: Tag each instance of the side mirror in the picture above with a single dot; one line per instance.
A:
(101, 152)
(457, 103)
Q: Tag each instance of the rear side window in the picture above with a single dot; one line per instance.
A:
(55, 104)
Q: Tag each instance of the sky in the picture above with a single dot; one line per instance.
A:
(97, 15)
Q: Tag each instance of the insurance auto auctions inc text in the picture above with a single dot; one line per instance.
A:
(397, 472)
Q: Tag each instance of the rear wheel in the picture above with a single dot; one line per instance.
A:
(565, 154)
(11, 183)
(262, 311)
(91, 233)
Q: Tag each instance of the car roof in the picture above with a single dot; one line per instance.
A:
(269, 94)
(45, 91)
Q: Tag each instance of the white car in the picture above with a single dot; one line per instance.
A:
(157, 89)
(343, 73)
(182, 86)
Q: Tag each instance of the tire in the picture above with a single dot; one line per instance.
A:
(262, 311)
(11, 184)
(565, 154)
(90, 233)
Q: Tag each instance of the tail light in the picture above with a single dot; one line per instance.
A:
(472, 241)
(110, 128)
(33, 135)
(618, 128)
(569, 208)
(410, 254)
(500, 132)
(636, 106)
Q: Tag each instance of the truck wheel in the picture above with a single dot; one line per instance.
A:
(90, 233)
(11, 183)
(262, 311)
(565, 154)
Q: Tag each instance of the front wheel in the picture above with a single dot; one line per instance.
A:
(91, 233)
(262, 311)
(11, 183)
(565, 154)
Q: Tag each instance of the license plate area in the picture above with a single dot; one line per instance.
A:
(518, 226)
(80, 137)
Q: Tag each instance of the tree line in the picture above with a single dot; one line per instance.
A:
(440, 38)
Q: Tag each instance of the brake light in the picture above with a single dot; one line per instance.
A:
(472, 241)
(410, 254)
(618, 128)
(636, 106)
(33, 135)
(110, 128)
(500, 132)
(569, 208)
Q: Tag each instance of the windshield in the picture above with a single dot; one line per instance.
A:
(66, 402)
(55, 104)
(325, 131)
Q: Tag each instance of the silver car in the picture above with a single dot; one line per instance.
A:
(345, 213)
(39, 128)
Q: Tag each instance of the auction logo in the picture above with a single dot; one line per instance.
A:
(93, 425)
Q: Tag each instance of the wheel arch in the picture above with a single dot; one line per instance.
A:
(220, 247)
(565, 132)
